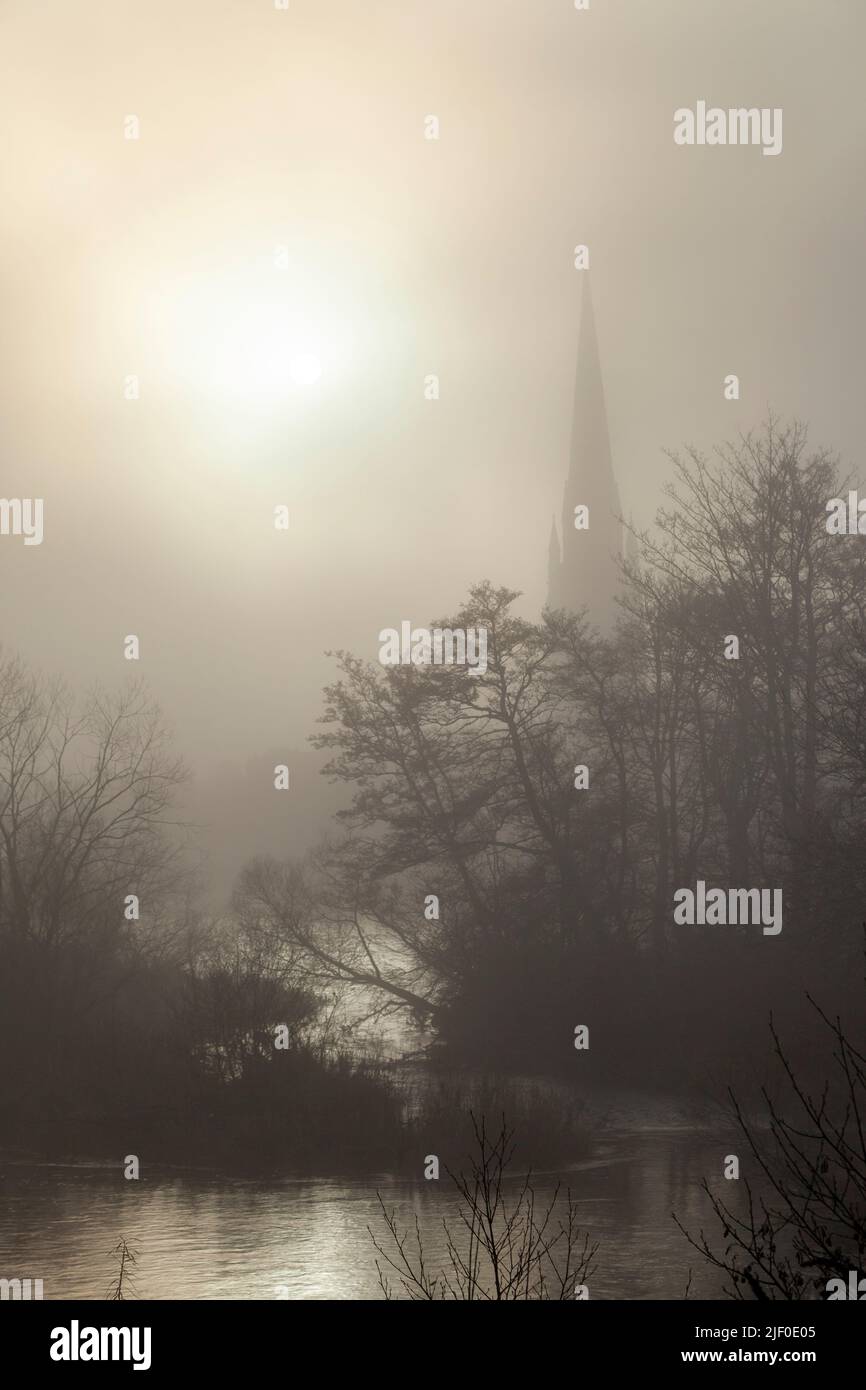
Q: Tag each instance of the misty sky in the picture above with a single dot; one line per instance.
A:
(305, 129)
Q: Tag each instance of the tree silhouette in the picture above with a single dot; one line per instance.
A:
(500, 1248)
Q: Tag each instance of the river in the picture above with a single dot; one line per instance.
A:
(199, 1235)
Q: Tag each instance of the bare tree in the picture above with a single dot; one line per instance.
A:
(122, 1287)
(86, 820)
(809, 1223)
(748, 533)
(501, 1249)
(85, 798)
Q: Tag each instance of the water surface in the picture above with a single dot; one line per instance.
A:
(203, 1236)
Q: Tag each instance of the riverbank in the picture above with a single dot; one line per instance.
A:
(383, 1118)
(207, 1234)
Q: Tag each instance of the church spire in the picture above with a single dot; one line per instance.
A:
(588, 575)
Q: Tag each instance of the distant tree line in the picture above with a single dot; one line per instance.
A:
(471, 887)
(147, 1028)
(556, 903)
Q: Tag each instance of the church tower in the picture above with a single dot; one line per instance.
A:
(584, 571)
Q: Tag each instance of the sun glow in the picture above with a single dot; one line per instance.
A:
(260, 349)
(305, 368)
(249, 347)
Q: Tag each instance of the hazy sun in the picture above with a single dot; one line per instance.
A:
(248, 347)
(305, 368)
(261, 348)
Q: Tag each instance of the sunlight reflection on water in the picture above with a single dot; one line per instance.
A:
(202, 1237)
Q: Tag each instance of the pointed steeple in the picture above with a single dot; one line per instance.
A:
(589, 574)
